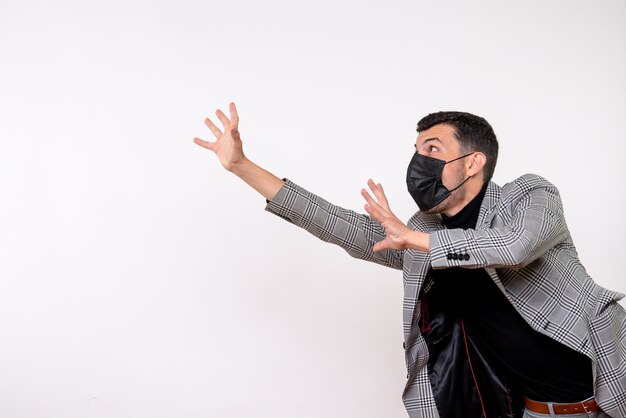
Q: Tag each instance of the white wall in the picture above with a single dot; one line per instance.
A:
(138, 279)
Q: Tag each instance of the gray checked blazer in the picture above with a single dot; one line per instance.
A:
(522, 241)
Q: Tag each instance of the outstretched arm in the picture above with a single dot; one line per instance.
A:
(355, 233)
(229, 150)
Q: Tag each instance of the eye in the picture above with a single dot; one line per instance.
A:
(427, 149)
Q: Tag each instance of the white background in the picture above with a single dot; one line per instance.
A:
(139, 279)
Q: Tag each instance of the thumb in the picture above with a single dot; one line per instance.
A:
(204, 144)
(381, 245)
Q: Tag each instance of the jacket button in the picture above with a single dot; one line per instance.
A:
(466, 257)
(449, 256)
(455, 256)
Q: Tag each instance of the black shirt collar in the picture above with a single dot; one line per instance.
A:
(468, 216)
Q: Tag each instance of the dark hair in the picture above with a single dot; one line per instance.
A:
(473, 133)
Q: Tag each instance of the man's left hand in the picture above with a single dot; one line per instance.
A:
(399, 236)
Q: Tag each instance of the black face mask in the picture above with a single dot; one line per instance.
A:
(423, 179)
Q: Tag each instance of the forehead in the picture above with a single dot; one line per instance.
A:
(442, 134)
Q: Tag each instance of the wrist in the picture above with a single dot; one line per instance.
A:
(240, 167)
(418, 240)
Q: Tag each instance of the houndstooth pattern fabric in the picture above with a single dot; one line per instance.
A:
(521, 239)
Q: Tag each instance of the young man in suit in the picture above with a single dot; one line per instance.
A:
(486, 268)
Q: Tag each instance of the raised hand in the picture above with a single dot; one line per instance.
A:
(229, 151)
(397, 232)
(228, 146)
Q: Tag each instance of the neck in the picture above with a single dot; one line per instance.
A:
(470, 190)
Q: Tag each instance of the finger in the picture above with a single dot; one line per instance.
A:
(234, 116)
(381, 213)
(204, 144)
(368, 198)
(216, 131)
(382, 192)
(374, 188)
(374, 213)
(222, 117)
(383, 198)
(373, 203)
(377, 189)
(371, 212)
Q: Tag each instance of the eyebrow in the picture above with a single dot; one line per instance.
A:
(434, 138)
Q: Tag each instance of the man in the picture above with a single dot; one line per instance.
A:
(496, 304)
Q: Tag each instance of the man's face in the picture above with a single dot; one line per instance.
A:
(439, 142)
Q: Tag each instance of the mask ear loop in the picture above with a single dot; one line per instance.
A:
(460, 184)
(458, 158)
(462, 156)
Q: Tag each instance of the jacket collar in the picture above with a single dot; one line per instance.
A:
(487, 207)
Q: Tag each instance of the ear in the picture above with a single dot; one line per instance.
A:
(476, 163)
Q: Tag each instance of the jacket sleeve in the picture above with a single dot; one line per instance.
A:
(356, 233)
(535, 225)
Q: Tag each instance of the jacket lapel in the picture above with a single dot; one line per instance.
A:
(485, 217)
(416, 267)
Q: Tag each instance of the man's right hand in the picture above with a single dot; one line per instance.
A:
(228, 146)
(229, 151)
